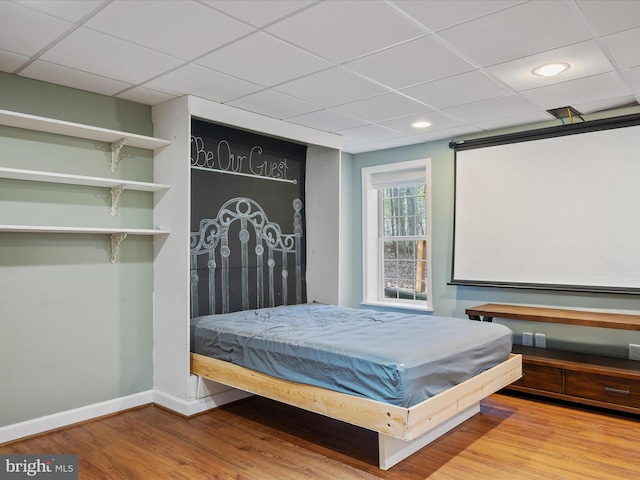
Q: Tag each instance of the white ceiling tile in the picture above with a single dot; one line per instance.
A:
(183, 29)
(101, 54)
(437, 120)
(264, 60)
(327, 120)
(612, 15)
(354, 149)
(413, 62)
(332, 87)
(367, 133)
(69, 77)
(259, 12)
(450, 133)
(146, 96)
(491, 109)
(632, 75)
(598, 87)
(202, 82)
(11, 61)
(624, 47)
(456, 90)
(382, 107)
(70, 10)
(341, 31)
(274, 104)
(519, 31)
(516, 120)
(394, 142)
(439, 14)
(603, 104)
(42, 29)
(585, 59)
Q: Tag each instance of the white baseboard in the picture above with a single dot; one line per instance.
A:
(63, 419)
(197, 405)
(69, 417)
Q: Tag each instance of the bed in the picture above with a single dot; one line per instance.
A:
(408, 377)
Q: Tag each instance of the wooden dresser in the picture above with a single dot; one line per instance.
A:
(584, 378)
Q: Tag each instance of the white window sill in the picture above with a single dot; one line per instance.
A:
(399, 305)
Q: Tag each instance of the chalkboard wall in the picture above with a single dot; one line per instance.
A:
(252, 187)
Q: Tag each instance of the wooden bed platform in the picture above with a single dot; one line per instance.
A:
(401, 431)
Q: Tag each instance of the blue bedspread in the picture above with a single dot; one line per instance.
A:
(396, 358)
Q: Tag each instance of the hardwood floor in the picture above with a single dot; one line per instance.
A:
(512, 438)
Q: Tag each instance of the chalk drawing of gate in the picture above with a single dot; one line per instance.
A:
(242, 224)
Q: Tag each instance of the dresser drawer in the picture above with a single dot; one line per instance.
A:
(620, 391)
(541, 377)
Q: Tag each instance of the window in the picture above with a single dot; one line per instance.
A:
(397, 235)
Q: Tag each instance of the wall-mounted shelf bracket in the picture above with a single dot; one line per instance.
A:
(115, 197)
(116, 239)
(115, 153)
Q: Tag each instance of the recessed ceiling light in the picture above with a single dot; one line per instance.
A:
(550, 69)
(421, 124)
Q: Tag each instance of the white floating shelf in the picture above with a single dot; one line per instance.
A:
(52, 177)
(61, 127)
(93, 230)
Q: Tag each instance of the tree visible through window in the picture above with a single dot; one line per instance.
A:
(396, 235)
(403, 243)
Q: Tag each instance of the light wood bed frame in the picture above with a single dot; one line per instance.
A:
(401, 431)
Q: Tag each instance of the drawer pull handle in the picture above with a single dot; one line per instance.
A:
(616, 390)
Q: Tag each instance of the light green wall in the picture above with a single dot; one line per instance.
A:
(453, 300)
(75, 330)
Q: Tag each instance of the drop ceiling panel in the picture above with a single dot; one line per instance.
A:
(457, 90)
(439, 14)
(274, 104)
(437, 120)
(514, 121)
(593, 106)
(612, 15)
(494, 108)
(633, 75)
(624, 47)
(146, 96)
(41, 70)
(153, 24)
(327, 120)
(412, 62)
(258, 12)
(332, 87)
(516, 32)
(382, 107)
(202, 82)
(368, 133)
(111, 57)
(10, 62)
(585, 59)
(341, 31)
(70, 10)
(558, 95)
(264, 60)
(42, 29)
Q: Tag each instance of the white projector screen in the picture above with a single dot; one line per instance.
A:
(560, 213)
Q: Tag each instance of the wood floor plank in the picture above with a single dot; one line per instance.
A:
(257, 439)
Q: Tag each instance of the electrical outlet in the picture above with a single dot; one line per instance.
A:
(634, 352)
(541, 340)
(527, 339)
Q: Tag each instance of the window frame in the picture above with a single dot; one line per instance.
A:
(372, 259)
